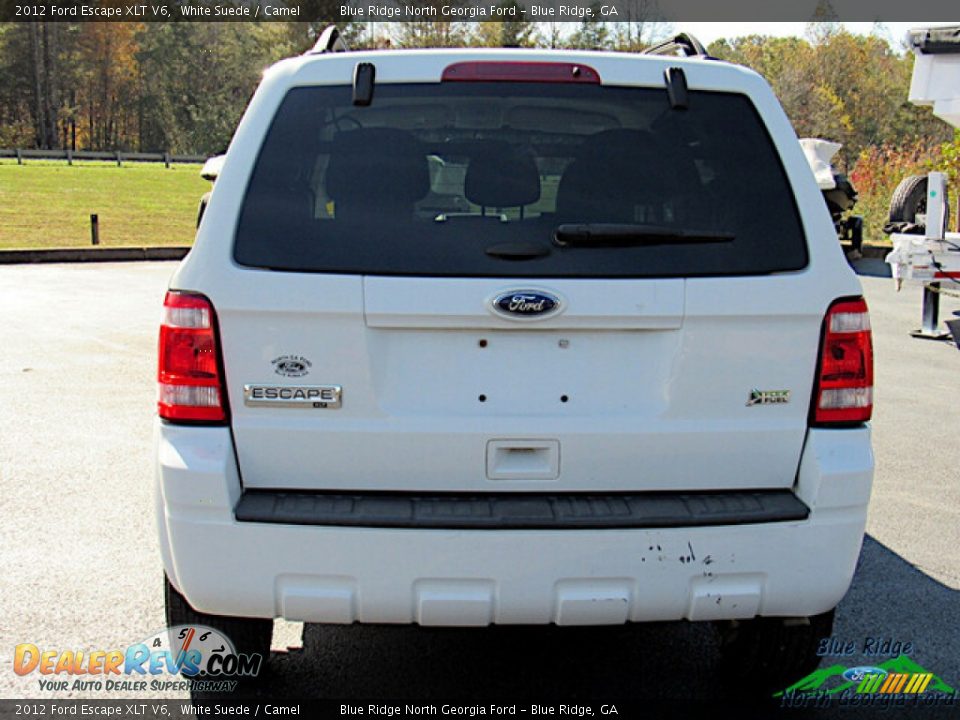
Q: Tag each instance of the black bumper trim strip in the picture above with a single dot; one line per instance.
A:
(520, 511)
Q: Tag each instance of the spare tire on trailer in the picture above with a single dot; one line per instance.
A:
(910, 200)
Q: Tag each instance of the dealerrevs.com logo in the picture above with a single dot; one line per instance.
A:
(184, 657)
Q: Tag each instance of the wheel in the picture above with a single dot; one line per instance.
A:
(910, 200)
(249, 635)
(769, 653)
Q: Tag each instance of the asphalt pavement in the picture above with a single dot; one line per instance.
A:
(81, 567)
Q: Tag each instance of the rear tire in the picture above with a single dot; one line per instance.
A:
(249, 635)
(768, 653)
(910, 199)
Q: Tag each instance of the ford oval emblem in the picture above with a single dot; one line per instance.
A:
(291, 367)
(530, 304)
(856, 674)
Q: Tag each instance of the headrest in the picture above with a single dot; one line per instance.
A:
(501, 175)
(386, 165)
(611, 172)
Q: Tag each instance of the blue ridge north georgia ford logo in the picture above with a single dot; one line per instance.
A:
(532, 304)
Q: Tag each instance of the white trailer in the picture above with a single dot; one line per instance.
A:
(933, 257)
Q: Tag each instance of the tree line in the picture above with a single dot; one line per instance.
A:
(183, 86)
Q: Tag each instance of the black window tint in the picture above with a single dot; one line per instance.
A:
(430, 177)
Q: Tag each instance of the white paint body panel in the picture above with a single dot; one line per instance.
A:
(656, 373)
(457, 577)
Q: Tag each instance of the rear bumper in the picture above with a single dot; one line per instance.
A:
(477, 577)
(520, 511)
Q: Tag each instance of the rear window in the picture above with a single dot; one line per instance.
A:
(474, 179)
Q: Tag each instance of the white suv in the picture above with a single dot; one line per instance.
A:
(524, 337)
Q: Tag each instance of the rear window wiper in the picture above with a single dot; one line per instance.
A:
(626, 234)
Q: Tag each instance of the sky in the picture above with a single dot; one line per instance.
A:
(707, 32)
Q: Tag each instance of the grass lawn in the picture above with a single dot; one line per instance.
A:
(49, 203)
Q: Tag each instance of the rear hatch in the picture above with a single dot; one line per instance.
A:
(518, 285)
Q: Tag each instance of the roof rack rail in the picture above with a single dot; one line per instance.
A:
(682, 42)
(330, 41)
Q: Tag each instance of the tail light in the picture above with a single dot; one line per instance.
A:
(844, 389)
(191, 376)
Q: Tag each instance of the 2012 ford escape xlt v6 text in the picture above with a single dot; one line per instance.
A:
(515, 337)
